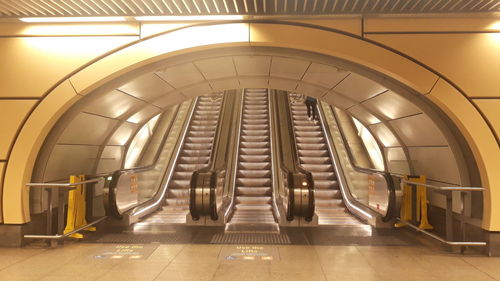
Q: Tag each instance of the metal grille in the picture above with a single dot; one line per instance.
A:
(78, 8)
(251, 238)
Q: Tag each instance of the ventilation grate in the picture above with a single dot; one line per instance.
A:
(251, 238)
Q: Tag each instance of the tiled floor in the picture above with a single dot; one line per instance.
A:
(77, 261)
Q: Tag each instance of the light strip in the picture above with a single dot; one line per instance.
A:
(73, 19)
(188, 18)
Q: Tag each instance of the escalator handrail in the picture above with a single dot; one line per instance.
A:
(229, 209)
(391, 207)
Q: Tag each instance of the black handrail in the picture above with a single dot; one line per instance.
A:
(391, 207)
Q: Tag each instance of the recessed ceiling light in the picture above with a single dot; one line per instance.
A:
(73, 19)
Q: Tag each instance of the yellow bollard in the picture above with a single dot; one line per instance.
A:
(422, 204)
(77, 208)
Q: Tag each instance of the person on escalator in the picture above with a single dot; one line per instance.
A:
(311, 108)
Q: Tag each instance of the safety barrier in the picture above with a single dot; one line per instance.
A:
(415, 191)
(76, 220)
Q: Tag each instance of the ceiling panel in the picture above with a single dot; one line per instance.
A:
(338, 100)
(385, 135)
(358, 87)
(324, 75)
(113, 104)
(169, 99)
(87, 129)
(288, 68)
(9, 8)
(418, 130)
(144, 114)
(391, 105)
(254, 82)
(252, 65)
(311, 90)
(122, 135)
(283, 84)
(225, 84)
(197, 90)
(363, 115)
(181, 75)
(216, 68)
(146, 87)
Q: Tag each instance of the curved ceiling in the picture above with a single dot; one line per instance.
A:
(48, 8)
(99, 127)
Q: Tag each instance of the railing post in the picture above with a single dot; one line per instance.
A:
(449, 216)
(49, 215)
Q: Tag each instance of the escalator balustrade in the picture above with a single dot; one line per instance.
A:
(314, 157)
(195, 155)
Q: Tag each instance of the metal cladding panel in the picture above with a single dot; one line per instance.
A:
(252, 65)
(144, 114)
(418, 130)
(67, 160)
(146, 87)
(396, 160)
(113, 104)
(324, 75)
(87, 129)
(363, 115)
(123, 134)
(111, 159)
(385, 135)
(358, 87)
(181, 75)
(10, 8)
(437, 163)
(391, 105)
(216, 68)
(288, 68)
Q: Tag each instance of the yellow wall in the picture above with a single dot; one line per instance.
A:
(28, 71)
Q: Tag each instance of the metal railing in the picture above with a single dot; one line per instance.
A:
(61, 189)
(447, 191)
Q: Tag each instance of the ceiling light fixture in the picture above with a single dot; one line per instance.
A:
(189, 18)
(73, 19)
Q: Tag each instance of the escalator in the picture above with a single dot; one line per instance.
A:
(314, 157)
(253, 207)
(194, 155)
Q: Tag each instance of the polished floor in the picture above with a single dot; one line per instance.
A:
(81, 261)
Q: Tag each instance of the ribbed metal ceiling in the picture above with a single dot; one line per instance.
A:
(48, 8)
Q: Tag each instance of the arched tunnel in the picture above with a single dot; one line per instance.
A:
(109, 129)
